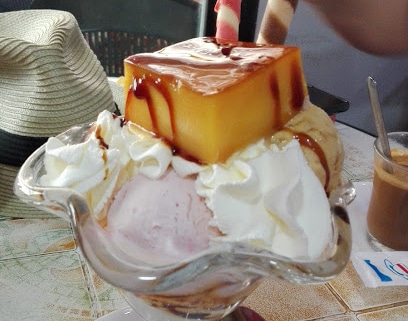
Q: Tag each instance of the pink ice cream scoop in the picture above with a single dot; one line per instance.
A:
(160, 221)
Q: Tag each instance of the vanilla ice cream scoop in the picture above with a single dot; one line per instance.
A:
(320, 144)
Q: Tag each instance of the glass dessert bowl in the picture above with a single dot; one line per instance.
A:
(208, 285)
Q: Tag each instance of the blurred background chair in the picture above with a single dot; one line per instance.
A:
(116, 29)
(113, 46)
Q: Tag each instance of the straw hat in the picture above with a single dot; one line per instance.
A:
(50, 80)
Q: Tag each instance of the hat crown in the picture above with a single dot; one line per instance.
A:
(50, 80)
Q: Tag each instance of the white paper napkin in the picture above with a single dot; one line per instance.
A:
(382, 268)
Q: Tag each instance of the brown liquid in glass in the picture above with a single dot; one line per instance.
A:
(387, 216)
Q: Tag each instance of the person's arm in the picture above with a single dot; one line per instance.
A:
(375, 26)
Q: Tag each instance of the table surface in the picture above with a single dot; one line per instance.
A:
(43, 275)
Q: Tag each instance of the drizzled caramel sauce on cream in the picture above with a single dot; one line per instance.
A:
(307, 141)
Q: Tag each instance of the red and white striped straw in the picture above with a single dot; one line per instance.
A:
(228, 18)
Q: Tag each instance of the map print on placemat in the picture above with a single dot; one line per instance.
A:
(358, 162)
(44, 288)
(24, 237)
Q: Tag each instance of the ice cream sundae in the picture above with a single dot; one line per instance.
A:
(217, 175)
(203, 157)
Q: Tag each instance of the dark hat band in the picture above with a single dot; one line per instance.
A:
(14, 149)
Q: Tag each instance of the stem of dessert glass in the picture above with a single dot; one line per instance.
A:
(243, 314)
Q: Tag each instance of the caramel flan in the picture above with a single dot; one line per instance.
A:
(209, 98)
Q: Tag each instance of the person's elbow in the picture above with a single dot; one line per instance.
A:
(380, 44)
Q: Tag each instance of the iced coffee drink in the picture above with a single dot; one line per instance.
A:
(387, 216)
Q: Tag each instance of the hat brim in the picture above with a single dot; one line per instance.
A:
(10, 204)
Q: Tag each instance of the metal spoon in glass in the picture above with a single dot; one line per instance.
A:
(378, 116)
